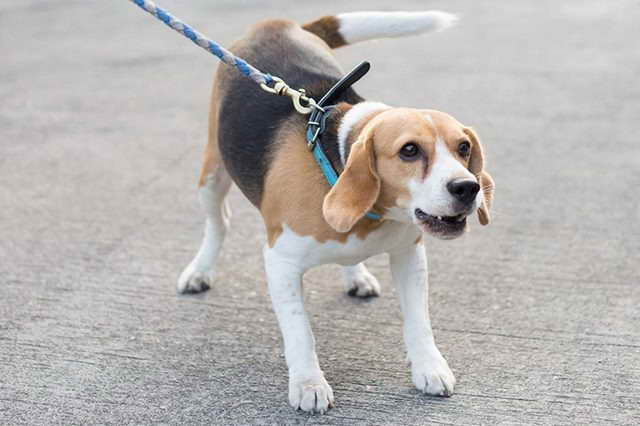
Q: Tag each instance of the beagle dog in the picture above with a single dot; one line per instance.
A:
(419, 170)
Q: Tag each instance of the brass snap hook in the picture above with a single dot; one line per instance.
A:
(298, 97)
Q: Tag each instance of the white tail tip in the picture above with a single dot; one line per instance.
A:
(360, 26)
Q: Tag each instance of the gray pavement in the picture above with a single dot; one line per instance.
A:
(102, 124)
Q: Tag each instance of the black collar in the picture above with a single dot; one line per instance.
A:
(317, 120)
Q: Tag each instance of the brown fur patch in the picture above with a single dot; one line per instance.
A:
(295, 189)
(328, 29)
(212, 159)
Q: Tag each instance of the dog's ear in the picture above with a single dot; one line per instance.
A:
(357, 188)
(476, 166)
(486, 186)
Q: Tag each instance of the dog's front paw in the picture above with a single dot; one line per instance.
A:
(362, 283)
(433, 376)
(193, 280)
(310, 393)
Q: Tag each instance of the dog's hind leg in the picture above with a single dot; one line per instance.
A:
(198, 275)
(360, 282)
(213, 188)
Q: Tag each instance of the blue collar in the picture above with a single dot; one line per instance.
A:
(317, 125)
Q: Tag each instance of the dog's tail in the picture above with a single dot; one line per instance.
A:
(349, 28)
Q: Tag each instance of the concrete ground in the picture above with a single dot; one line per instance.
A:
(102, 124)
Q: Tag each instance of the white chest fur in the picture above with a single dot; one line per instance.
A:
(309, 252)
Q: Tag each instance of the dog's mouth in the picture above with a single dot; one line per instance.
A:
(445, 227)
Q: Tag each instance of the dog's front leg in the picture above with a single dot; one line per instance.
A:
(308, 389)
(429, 370)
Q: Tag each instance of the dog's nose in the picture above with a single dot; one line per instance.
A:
(463, 190)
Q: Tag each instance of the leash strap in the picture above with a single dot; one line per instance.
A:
(302, 103)
(223, 54)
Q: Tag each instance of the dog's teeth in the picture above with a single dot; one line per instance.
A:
(461, 218)
(439, 217)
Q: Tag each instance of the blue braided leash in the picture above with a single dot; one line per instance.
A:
(223, 54)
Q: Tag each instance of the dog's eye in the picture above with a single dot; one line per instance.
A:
(409, 151)
(464, 149)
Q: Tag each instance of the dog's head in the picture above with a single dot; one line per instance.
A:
(419, 166)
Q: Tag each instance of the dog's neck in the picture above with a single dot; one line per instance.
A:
(350, 121)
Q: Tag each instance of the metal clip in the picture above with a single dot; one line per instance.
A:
(298, 97)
